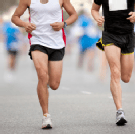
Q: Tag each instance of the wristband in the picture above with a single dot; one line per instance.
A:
(65, 24)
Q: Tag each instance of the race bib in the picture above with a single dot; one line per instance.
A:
(115, 5)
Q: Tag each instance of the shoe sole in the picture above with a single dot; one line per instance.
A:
(47, 127)
(122, 121)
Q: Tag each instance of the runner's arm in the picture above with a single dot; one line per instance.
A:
(132, 17)
(71, 11)
(95, 13)
(23, 5)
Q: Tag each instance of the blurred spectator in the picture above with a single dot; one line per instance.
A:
(1, 33)
(87, 41)
(11, 40)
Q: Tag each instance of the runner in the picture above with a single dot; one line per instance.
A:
(47, 40)
(11, 38)
(87, 41)
(118, 43)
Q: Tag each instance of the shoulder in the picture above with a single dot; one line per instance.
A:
(66, 1)
(25, 2)
(98, 2)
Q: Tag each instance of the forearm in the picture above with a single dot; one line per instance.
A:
(72, 19)
(95, 14)
(17, 21)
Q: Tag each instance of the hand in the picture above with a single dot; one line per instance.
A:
(132, 17)
(57, 26)
(100, 21)
(29, 27)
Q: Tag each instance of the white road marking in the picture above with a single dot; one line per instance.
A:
(85, 92)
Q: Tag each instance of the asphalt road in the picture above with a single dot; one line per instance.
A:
(82, 104)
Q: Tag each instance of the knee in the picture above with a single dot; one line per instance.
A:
(54, 85)
(42, 75)
(125, 78)
(115, 75)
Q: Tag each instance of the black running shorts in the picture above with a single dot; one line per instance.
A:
(125, 42)
(53, 54)
(13, 52)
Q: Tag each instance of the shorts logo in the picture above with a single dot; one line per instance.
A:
(115, 5)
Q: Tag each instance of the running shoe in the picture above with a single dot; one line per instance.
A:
(120, 117)
(46, 122)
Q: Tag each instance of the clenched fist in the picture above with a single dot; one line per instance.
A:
(132, 17)
(100, 21)
(29, 27)
(57, 26)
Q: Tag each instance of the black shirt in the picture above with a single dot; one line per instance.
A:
(116, 14)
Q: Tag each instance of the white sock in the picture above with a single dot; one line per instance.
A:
(120, 109)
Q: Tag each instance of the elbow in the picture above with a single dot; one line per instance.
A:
(76, 16)
(12, 19)
(92, 12)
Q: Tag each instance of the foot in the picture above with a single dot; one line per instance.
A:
(46, 121)
(120, 117)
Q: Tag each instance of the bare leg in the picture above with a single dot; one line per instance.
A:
(103, 66)
(55, 72)
(81, 59)
(41, 64)
(90, 56)
(12, 61)
(113, 55)
(127, 63)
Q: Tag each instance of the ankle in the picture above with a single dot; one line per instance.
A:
(119, 109)
(45, 114)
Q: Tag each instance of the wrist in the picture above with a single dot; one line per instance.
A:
(96, 19)
(65, 24)
(24, 23)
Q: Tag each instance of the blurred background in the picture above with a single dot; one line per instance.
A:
(84, 88)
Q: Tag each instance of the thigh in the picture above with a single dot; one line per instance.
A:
(40, 60)
(127, 62)
(113, 54)
(13, 57)
(55, 71)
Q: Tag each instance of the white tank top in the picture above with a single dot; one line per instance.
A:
(42, 15)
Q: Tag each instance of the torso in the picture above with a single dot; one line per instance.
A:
(42, 15)
(116, 14)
